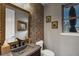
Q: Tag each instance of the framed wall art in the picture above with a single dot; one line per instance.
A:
(21, 26)
(48, 19)
(54, 24)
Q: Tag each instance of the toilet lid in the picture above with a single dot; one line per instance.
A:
(47, 52)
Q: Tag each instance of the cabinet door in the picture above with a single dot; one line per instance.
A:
(36, 53)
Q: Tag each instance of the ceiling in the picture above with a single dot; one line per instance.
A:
(44, 4)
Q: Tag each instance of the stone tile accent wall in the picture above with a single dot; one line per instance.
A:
(37, 22)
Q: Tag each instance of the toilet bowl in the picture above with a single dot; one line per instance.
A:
(45, 52)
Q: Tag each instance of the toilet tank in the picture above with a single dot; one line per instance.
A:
(40, 43)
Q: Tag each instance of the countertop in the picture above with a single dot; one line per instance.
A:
(30, 49)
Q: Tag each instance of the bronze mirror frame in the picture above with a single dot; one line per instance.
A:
(3, 6)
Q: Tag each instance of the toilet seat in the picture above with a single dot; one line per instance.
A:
(47, 52)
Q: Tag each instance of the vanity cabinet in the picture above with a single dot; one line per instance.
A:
(36, 53)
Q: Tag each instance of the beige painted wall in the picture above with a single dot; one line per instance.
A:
(62, 45)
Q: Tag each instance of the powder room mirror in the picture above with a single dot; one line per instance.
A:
(17, 25)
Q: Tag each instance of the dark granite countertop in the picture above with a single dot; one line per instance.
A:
(29, 50)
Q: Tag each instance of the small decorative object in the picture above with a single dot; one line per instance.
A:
(29, 40)
(54, 24)
(48, 19)
(5, 48)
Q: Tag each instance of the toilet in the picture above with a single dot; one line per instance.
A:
(44, 52)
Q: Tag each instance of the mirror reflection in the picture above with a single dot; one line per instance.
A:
(16, 28)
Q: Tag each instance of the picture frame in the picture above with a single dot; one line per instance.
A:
(54, 24)
(21, 26)
(48, 19)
